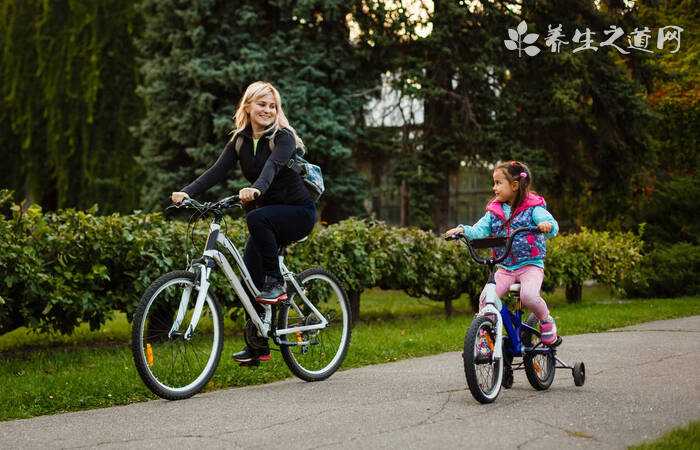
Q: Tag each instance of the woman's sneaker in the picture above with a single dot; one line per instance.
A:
(548, 331)
(273, 291)
(249, 357)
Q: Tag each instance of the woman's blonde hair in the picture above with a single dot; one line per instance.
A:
(241, 119)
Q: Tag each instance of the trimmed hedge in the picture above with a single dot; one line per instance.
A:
(64, 268)
(610, 258)
(669, 272)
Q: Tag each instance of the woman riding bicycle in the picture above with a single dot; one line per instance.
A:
(279, 207)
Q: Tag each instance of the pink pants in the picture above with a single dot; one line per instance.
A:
(530, 279)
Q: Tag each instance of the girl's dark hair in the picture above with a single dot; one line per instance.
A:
(517, 171)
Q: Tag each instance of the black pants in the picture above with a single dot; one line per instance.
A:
(272, 227)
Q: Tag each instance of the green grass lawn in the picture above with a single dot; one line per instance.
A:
(687, 438)
(49, 374)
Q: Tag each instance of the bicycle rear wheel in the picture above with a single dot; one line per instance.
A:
(540, 368)
(318, 353)
(171, 365)
(484, 374)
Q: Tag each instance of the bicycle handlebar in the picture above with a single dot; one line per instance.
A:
(216, 207)
(491, 242)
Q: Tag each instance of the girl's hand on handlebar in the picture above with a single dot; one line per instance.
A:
(544, 227)
(178, 197)
(248, 194)
(453, 232)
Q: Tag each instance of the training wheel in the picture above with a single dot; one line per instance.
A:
(579, 373)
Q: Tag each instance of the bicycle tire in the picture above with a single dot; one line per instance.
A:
(161, 345)
(470, 363)
(297, 357)
(539, 368)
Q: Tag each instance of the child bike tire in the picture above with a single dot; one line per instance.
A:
(487, 389)
(539, 368)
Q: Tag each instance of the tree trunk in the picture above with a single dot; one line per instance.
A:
(448, 308)
(354, 298)
(377, 170)
(404, 204)
(573, 292)
(474, 303)
(438, 153)
(441, 208)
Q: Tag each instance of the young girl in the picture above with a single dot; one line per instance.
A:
(515, 206)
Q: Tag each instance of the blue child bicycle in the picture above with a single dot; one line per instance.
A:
(488, 353)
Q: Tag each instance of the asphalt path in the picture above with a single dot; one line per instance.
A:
(641, 382)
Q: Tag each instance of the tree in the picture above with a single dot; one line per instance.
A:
(200, 56)
(68, 87)
(577, 119)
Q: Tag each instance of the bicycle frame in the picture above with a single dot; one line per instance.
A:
(211, 256)
(512, 322)
(505, 318)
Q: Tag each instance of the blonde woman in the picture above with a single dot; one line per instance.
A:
(280, 207)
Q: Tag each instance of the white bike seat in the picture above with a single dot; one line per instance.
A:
(515, 287)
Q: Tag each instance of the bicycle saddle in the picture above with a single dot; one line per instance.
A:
(283, 248)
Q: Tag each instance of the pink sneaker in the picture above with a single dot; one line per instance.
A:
(548, 331)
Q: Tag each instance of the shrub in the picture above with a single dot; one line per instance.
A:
(68, 267)
(669, 213)
(609, 258)
(669, 272)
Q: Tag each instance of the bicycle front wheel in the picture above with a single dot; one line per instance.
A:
(172, 364)
(484, 373)
(315, 354)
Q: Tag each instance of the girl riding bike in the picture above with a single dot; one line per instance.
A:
(279, 207)
(515, 206)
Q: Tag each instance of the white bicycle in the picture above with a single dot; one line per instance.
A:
(177, 333)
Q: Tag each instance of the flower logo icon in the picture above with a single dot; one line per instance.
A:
(519, 37)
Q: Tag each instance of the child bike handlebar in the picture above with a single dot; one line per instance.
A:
(491, 242)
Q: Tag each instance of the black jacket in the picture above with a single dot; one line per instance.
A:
(266, 170)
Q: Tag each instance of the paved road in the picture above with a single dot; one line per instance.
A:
(642, 382)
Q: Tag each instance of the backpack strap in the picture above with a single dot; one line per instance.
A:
(238, 144)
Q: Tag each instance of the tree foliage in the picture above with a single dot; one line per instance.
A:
(68, 77)
(580, 120)
(604, 133)
(199, 58)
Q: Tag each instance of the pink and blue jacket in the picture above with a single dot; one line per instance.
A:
(528, 248)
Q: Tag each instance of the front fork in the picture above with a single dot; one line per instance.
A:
(492, 307)
(202, 271)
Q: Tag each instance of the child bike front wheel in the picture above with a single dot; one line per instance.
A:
(484, 373)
